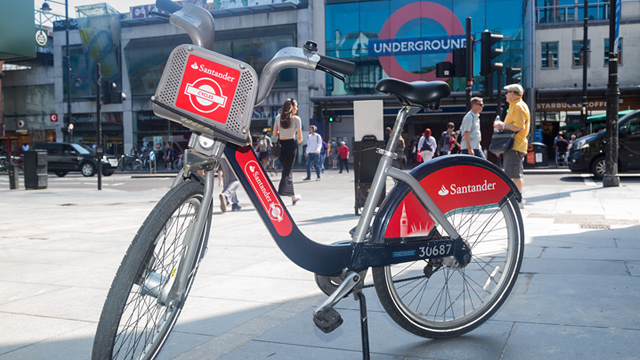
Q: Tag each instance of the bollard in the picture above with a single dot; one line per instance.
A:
(14, 178)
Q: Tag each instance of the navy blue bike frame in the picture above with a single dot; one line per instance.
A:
(331, 260)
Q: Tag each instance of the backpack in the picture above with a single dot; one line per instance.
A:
(426, 145)
(263, 145)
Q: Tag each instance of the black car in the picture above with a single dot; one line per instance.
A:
(65, 157)
(587, 153)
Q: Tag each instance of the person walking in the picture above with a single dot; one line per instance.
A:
(314, 147)
(323, 155)
(333, 151)
(343, 154)
(518, 120)
(231, 184)
(264, 148)
(470, 130)
(168, 156)
(427, 145)
(288, 129)
(444, 143)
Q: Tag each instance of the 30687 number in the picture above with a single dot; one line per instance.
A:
(434, 251)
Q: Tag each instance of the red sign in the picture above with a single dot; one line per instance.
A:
(207, 88)
(264, 190)
(450, 188)
(53, 117)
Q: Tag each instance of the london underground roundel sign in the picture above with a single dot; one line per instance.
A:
(422, 9)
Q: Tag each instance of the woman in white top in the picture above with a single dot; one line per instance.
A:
(288, 129)
(427, 149)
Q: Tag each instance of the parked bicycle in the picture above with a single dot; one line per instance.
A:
(13, 160)
(177, 163)
(444, 248)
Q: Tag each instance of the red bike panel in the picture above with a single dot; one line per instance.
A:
(450, 188)
(207, 88)
(264, 190)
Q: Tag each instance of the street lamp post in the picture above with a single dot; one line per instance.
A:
(46, 8)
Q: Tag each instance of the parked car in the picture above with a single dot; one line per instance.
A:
(587, 153)
(65, 157)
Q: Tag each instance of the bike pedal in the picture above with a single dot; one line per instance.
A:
(328, 320)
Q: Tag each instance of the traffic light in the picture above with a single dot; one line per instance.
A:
(317, 112)
(486, 89)
(511, 75)
(487, 66)
(110, 94)
(331, 117)
(459, 62)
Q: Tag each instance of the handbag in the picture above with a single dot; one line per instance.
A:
(275, 151)
(502, 141)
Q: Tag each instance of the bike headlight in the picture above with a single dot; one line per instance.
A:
(582, 144)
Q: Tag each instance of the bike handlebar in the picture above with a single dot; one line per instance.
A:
(337, 65)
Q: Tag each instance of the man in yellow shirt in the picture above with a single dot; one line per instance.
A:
(518, 120)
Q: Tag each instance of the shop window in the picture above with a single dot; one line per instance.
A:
(549, 55)
(578, 54)
(606, 52)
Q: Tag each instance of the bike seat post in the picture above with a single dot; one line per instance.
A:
(380, 177)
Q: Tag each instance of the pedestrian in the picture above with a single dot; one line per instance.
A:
(470, 130)
(427, 145)
(264, 148)
(231, 184)
(288, 128)
(314, 147)
(454, 147)
(333, 151)
(518, 120)
(343, 153)
(413, 152)
(561, 148)
(399, 160)
(444, 143)
(323, 155)
(168, 156)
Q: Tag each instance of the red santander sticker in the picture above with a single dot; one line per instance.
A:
(207, 88)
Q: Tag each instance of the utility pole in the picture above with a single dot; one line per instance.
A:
(611, 178)
(585, 63)
(469, 63)
(99, 150)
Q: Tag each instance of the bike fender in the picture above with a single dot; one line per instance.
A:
(452, 181)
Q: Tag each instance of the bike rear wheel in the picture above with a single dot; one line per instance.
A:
(439, 299)
(135, 321)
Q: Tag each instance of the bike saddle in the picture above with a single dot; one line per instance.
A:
(422, 93)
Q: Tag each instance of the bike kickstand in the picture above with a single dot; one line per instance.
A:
(364, 328)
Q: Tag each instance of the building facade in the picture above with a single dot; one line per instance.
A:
(385, 38)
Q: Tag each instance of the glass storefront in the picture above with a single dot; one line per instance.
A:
(85, 131)
(153, 132)
(407, 38)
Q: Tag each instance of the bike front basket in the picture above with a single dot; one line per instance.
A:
(207, 92)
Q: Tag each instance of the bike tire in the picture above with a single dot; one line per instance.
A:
(137, 165)
(133, 323)
(439, 299)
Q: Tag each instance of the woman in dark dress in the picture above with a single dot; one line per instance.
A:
(288, 129)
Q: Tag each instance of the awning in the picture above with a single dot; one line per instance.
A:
(603, 117)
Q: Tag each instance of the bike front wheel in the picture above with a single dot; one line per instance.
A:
(137, 317)
(438, 298)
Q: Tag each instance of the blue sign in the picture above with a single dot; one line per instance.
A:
(424, 45)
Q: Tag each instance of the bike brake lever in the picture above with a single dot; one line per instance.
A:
(331, 72)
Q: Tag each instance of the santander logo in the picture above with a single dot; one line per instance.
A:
(267, 197)
(454, 189)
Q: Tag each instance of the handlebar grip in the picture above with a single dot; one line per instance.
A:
(337, 65)
(168, 6)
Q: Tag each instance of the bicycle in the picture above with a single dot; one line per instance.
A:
(445, 247)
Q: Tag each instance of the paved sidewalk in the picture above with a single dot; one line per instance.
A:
(578, 296)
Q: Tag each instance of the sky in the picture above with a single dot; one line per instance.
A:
(122, 6)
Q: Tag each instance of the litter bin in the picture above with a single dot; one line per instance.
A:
(14, 177)
(536, 155)
(35, 169)
(365, 163)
